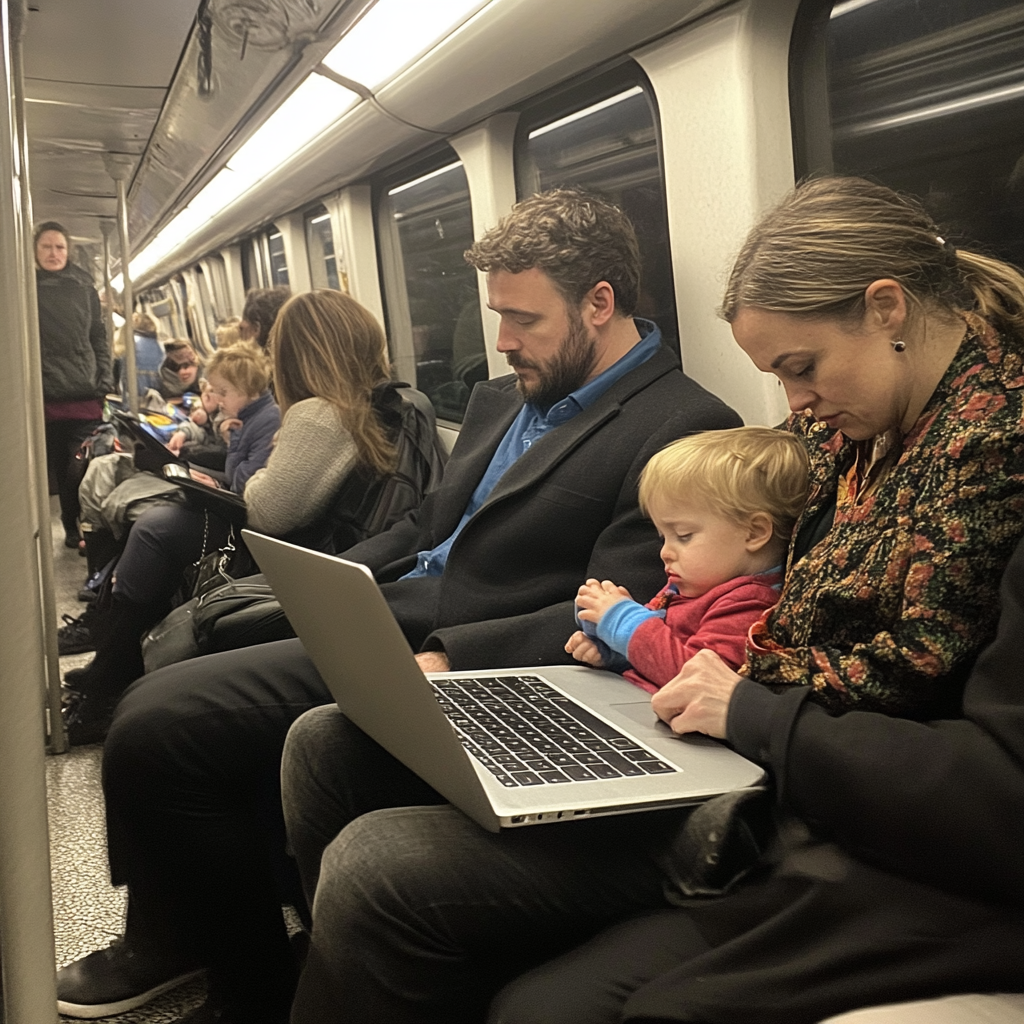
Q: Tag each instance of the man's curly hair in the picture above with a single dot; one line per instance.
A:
(576, 238)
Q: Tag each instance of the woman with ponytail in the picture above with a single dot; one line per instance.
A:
(903, 362)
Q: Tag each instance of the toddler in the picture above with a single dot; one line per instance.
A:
(725, 503)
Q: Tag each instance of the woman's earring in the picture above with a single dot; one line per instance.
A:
(899, 345)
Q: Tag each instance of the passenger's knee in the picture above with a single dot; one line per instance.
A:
(386, 864)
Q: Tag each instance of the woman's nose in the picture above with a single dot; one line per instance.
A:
(800, 398)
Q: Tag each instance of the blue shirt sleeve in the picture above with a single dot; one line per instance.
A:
(613, 633)
(618, 624)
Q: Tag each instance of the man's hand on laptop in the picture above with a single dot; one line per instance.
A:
(697, 699)
(433, 661)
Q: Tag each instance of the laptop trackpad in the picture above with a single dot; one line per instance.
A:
(638, 711)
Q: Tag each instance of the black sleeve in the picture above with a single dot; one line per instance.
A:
(100, 345)
(941, 802)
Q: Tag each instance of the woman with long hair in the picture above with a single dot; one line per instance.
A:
(337, 428)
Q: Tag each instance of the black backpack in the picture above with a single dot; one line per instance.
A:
(368, 503)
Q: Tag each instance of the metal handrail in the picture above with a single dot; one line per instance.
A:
(26, 910)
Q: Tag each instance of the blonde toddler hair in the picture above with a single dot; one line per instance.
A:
(734, 473)
(243, 366)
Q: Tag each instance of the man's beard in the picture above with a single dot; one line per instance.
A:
(567, 370)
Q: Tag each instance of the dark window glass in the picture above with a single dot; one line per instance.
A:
(323, 270)
(248, 272)
(604, 139)
(278, 266)
(435, 322)
(929, 98)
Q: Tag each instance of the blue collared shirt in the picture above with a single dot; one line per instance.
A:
(531, 425)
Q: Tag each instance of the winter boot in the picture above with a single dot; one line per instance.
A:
(92, 692)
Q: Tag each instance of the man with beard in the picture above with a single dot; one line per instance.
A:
(539, 494)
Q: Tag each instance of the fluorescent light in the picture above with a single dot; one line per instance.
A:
(425, 177)
(849, 5)
(587, 111)
(321, 218)
(392, 34)
(312, 108)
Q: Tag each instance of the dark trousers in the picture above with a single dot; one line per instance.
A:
(164, 541)
(420, 914)
(63, 439)
(191, 776)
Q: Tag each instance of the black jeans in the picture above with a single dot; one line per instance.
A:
(63, 439)
(191, 775)
(164, 541)
(420, 915)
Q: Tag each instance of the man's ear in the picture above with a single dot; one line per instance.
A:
(760, 530)
(598, 306)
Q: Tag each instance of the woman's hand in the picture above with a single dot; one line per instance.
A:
(595, 597)
(582, 648)
(203, 478)
(697, 699)
(227, 426)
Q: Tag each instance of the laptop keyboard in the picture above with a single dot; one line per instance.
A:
(526, 733)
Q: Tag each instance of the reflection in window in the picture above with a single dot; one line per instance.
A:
(278, 265)
(431, 225)
(929, 98)
(250, 276)
(609, 147)
(323, 270)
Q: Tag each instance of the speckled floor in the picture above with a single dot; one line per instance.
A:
(88, 910)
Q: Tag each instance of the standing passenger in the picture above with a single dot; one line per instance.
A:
(75, 362)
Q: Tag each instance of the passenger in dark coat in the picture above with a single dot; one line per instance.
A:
(76, 362)
(541, 489)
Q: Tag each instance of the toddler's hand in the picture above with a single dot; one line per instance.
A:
(595, 597)
(582, 648)
(199, 416)
(227, 426)
(176, 440)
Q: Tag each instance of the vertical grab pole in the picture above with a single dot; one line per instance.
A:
(58, 742)
(26, 911)
(108, 305)
(128, 297)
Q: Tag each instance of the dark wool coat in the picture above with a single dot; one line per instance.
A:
(72, 337)
(909, 881)
(566, 510)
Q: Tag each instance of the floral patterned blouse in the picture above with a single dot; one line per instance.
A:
(889, 610)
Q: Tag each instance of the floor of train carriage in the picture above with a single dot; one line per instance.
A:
(88, 911)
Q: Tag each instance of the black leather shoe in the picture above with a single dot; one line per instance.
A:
(115, 980)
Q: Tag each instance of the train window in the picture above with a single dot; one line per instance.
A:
(433, 301)
(603, 136)
(275, 255)
(929, 99)
(249, 277)
(205, 310)
(323, 269)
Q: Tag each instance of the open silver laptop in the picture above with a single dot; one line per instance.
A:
(509, 747)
